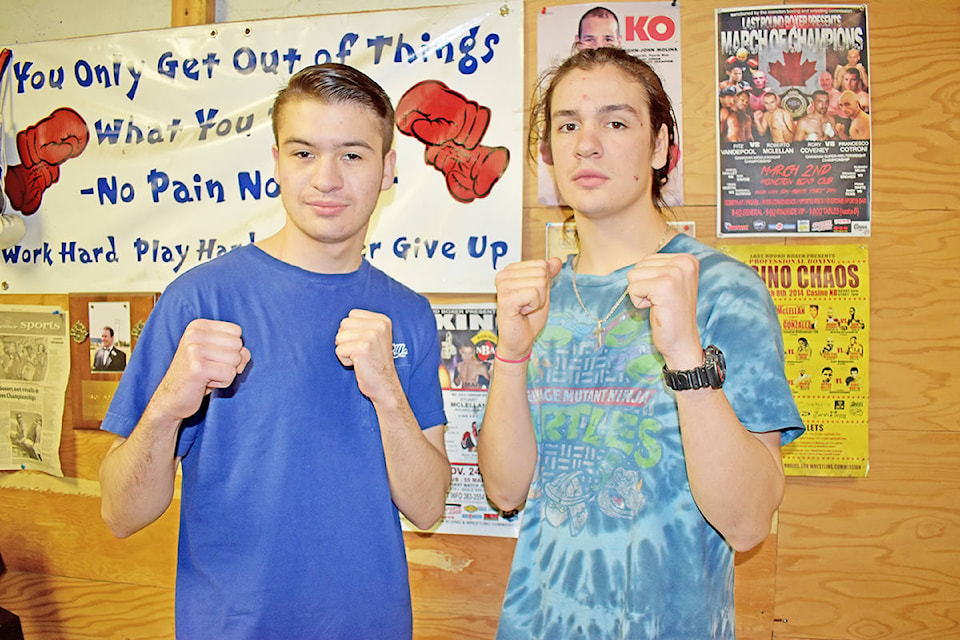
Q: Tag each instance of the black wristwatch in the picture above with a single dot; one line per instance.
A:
(711, 373)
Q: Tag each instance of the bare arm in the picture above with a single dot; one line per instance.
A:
(137, 474)
(736, 477)
(507, 447)
(417, 465)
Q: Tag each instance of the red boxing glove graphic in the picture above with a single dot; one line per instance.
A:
(58, 137)
(470, 173)
(25, 186)
(434, 114)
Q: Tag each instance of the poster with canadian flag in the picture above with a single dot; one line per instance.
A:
(794, 113)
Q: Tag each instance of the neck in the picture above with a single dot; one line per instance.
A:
(604, 248)
(311, 255)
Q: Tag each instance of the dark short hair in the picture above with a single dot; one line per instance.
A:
(597, 12)
(334, 83)
(110, 329)
(854, 72)
(658, 102)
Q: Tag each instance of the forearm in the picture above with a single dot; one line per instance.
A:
(507, 445)
(736, 479)
(417, 467)
(137, 476)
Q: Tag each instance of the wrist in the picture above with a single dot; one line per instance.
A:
(687, 358)
(711, 372)
(509, 358)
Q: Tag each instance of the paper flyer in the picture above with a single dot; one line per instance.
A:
(822, 294)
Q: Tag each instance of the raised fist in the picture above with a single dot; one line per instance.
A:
(471, 173)
(25, 186)
(58, 137)
(434, 114)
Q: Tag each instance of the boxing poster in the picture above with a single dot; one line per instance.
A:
(822, 295)
(131, 158)
(468, 337)
(794, 121)
(649, 30)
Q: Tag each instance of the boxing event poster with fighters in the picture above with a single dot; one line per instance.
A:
(468, 337)
(793, 109)
(131, 158)
(822, 295)
(649, 30)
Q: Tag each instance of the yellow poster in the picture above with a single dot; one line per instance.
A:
(822, 294)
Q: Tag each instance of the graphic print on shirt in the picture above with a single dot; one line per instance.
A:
(595, 419)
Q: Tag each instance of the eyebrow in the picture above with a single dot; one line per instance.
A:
(607, 108)
(293, 140)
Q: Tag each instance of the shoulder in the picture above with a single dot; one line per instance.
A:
(717, 268)
(244, 267)
(397, 294)
(239, 258)
(726, 285)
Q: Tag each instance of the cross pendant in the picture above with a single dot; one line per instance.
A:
(599, 333)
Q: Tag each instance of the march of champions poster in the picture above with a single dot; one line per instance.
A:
(793, 107)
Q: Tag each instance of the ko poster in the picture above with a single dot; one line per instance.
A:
(648, 30)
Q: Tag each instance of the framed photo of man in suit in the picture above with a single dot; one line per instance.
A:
(109, 335)
(103, 335)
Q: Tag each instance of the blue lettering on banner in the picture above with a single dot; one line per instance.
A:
(126, 75)
(407, 249)
(161, 183)
(70, 252)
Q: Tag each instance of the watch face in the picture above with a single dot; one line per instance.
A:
(716, 366)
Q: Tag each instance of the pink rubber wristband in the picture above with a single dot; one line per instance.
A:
(520, 361)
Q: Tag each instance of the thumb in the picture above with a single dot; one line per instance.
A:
(244, 360)
(553, 266)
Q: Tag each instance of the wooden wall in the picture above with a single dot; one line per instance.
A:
(865, 559)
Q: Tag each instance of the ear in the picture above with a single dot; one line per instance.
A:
(389, 170)
(661, 148)
(276, 163)
(546, 155)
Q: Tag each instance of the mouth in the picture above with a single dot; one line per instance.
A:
(326, 208)
(588, 178)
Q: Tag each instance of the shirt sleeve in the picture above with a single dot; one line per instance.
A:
(424, 394)
(742, 322)
(146, 367)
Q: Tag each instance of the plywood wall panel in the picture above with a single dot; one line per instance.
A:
(54, 607)
(876, 557)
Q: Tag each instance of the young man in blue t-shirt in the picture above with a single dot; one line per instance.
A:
(297, 386)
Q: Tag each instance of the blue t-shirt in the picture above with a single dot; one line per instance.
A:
(612, 544)
(287, 528)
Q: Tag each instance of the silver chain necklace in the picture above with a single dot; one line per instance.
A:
(599, 330)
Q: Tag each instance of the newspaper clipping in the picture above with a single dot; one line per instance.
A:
(34, 369)
(822, 295)
(468, 337)
(793, 104)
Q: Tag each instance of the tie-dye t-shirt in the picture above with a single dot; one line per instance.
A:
(612, 544)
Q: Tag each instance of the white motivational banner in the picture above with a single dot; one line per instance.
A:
(134, 157)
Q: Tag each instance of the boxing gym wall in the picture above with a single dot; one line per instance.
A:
(869, 558)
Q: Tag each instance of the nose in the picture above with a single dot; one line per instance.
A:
(588, 142)
(327, 175)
